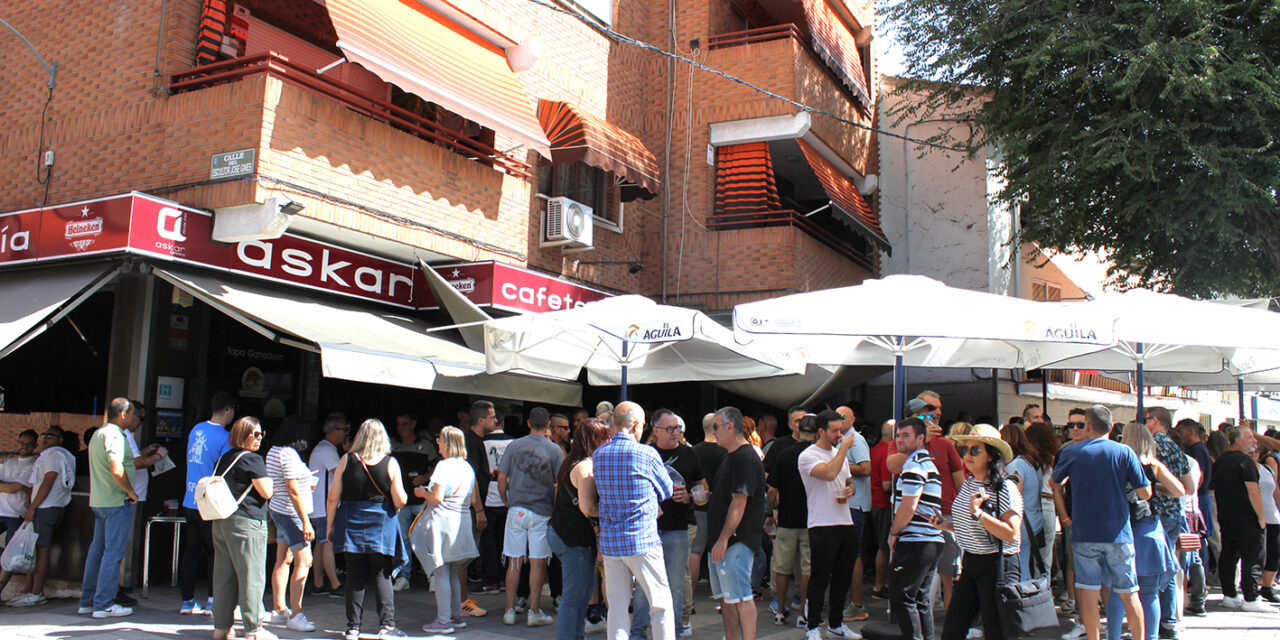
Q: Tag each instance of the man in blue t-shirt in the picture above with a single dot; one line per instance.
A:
(1101, 472)
(205, 444)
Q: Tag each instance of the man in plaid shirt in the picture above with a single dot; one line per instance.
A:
(630, 481)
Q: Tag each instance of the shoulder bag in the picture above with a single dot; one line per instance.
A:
(1027, 605)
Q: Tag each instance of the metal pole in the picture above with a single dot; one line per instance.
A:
(1141, 389)
(1044, 391)
(899, 381)
(624, 371)
(49, 68)
(1240, 397)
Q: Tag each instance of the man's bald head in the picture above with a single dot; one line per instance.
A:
(628, 417)
(848, 417)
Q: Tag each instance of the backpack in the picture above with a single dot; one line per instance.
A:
(213, 496)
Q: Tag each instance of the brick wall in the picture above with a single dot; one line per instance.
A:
(112, 133)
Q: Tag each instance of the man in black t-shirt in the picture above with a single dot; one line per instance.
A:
(673, 525)
(1235, 486)
(794, 414)
(710, 457)
(791, 544)
(735, 518)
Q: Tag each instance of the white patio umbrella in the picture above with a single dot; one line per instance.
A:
(627, 339)
(1183, 338)
(909, 320)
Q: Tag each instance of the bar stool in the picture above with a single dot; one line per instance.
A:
(177, 522)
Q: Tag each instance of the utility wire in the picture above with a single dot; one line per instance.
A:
(614, 35)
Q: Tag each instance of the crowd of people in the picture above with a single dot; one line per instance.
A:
(617, 513)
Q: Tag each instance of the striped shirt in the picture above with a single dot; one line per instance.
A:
(284, 463)
(919, 478)
(970, 534)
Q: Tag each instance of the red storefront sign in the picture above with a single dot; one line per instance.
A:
(511, 288)
(142, 224)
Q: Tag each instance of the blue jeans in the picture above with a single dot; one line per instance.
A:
(1148, 589)
(675, 553)
(578, 570)
(111, 528)
(1171, 593)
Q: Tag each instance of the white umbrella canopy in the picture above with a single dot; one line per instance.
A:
(628, 339)
(929, 323)
(907, 320)
(1165, 332)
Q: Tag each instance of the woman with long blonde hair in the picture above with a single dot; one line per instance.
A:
(363, 501)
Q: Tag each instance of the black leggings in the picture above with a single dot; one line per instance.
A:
(197, 554)
(1272, 546)
(832, 551)
(360, 567)
(975, 595)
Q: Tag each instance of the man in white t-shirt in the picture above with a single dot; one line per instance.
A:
(825, 472)
(324, 459)
(51, 480)
(15, 489)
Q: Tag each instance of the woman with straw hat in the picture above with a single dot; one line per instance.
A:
(986, 520)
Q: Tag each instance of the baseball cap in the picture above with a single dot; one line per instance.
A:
(809, 423)
(916, 405)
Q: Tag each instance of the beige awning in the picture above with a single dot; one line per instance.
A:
(34, 300)
(364, 345)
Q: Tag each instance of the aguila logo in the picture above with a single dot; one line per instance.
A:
(1060, 334)
(665, 332)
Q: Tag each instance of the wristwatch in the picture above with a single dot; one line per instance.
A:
(977, 516)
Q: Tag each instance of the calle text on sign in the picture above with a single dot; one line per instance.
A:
(232, 164)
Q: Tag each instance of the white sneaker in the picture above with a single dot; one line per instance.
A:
(538, 619)
(1232, 603)
(401, 584)
(113, 611)
(299, 622)
(1075, 633)
(509, 618)
(25, 600)
(592, 627)
(813, 634)
(522, 605)
(843, 632)
(686, 630)
(1257, 606)
(84, 611)
(279, 617)
(976, 633)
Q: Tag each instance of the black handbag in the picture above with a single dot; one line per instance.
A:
(1027, 605)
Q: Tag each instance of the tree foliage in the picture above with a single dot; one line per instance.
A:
(1143, 128)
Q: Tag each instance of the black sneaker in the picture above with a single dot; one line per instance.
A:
(1168, 633)
(880, 594)
(126, 600)
(1268, 594)
(1196, 611)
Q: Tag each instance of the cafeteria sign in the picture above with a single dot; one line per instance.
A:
(232, 164)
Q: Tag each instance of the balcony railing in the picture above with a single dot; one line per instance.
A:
(374, 107)
(787, 218)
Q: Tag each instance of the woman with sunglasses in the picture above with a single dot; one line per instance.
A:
(986, 520)
(240, 540)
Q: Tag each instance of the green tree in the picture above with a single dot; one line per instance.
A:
(1144, 128)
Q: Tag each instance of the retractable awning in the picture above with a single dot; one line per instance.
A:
(744, 179)
(406, 43)
(364, 345)
(844, 196)
(36, 300)
(579, 136)
(835, 44)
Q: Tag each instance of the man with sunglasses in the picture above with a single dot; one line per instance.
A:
(1076, 431)
(673, 524)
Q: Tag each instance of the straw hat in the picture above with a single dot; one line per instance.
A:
(986, 434)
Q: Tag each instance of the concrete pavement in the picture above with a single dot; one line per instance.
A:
(156, 618)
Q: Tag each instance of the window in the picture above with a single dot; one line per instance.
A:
(1045, 291)
(583, 183)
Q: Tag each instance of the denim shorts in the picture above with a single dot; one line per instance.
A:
(318, 525)
(289, 531)
(731, 577)
(1105, 563)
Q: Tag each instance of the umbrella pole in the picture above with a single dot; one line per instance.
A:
(1141, 389)
(624, 372)
(1240, 397)
(898, 383)
(1044, 391)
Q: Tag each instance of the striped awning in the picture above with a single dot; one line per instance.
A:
(425, 53)
(844, 196)
(836, 45)
(744, 179)
(578, 136)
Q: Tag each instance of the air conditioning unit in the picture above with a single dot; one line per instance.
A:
(566, 223)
